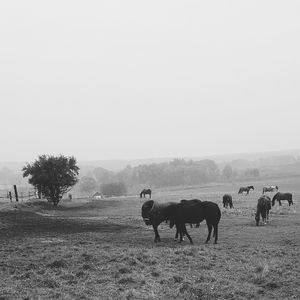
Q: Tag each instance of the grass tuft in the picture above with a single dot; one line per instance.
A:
(126, 280)
(57, 264)
(260, 273)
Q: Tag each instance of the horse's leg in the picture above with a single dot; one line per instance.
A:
(188, 236)
(209, 227)
(279, 202)
(215, 234)
(176, 235)
(180, 234)
(157, 237)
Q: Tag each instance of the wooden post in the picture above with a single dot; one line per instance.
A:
(16, 193)
(10, 196)
(22, 196)
(29, 195)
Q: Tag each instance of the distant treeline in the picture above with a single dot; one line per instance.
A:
(167, 174)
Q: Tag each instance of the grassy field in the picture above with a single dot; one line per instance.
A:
(102, 250)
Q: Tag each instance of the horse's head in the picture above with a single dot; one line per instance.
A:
(274, 199)
(251, 187)
(146, 211)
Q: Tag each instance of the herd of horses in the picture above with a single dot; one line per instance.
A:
(195, 211)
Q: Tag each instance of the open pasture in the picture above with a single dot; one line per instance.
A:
(102, 250)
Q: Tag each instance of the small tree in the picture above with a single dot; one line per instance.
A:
(53, 176)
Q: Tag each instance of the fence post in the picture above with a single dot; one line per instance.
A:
(10, 196)
(16, 193)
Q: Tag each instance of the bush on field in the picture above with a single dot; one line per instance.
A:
(113, 189)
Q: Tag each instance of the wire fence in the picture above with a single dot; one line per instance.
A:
(17, 194)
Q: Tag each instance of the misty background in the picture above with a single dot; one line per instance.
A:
(119, 84)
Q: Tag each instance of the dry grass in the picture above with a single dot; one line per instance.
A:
(102, 250)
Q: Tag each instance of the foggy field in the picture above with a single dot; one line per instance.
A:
(102, 249)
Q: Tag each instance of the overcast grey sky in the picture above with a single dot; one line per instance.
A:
(139, 79)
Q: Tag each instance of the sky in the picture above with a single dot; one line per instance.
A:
(140, 79)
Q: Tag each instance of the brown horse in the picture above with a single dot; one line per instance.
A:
(270, 188)
(283, 196)
(246, 189)
(262, 209)
(145, 192)
(227, 201)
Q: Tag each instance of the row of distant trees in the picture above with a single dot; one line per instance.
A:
(175, 173)
(53, 176)
(228, 173)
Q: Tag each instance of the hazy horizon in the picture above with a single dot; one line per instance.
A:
(132, 80)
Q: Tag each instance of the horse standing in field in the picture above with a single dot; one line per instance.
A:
(263, 208)
(189, 211)
(154, 213)
(145, 192)
(282, 196)
(227, 201)
(270, 188)
(246, 189)
(195, 211)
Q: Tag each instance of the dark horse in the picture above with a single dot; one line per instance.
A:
(154, 213)
(282, 196)
(145, 192)
(227, 201)
(246, 189)
(195, 211)
(192, 211)
(263, 208)
(270, 188)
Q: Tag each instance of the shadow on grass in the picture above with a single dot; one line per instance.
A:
(19, 223)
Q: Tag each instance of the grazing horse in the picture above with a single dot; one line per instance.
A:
(263, 208)
(154, 213)
(282, 196)
(145, 192)
(227, 201)
(270, 188)
(246, 189)
(195, 211)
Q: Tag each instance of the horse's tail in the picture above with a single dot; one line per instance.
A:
(218, 214)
